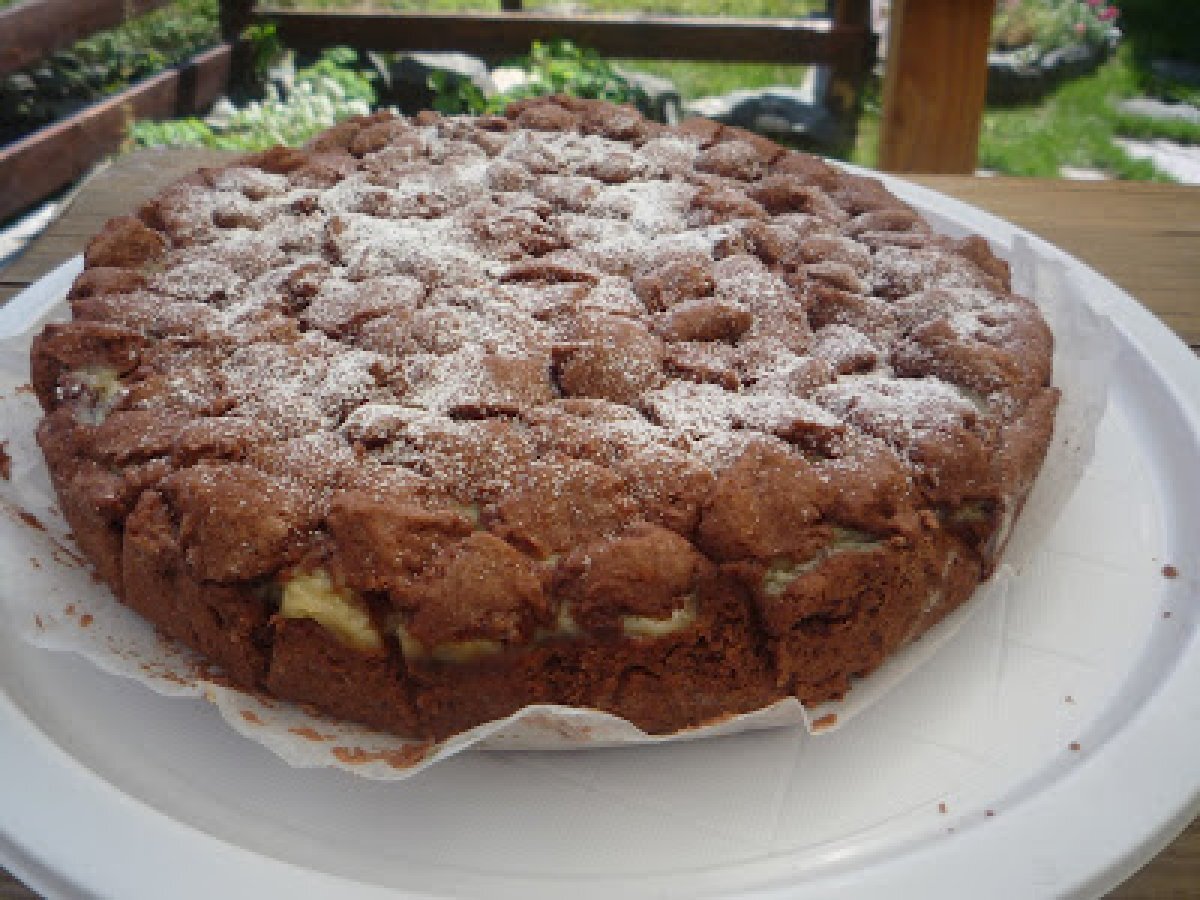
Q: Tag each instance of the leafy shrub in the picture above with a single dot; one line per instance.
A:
(1046, 24)
(309, 100)
(104, 64)
(557, 67)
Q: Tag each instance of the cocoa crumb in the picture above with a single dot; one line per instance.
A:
(25, 388)
(402, 758)
(1068, 699)
(989, 813)
(156, 671)
(38, 620)
(5, 462)
(251, 717)
(70, 610)
(30, 519)
(942, 808)
(826, 721)
(1166, 614)
(1074, 745)
(310, 734)
(85, 620)
(35, 562)
(1169, 571)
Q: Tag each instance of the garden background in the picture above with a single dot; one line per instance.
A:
(1077, 88)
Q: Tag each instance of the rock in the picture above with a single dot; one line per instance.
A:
(1177, 70)
(1181, 162)
(1018, 76)
(506, 78)
(1075, 173)
(775, 111)
(1157, 109)
(662, 100)
(1071, 61)
(407, 77)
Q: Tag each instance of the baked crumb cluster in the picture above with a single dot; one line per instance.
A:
(436, 418)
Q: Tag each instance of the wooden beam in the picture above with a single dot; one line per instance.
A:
(34, 29)
(48, 159)
(814, 41)
(847, 76)
(934, 86)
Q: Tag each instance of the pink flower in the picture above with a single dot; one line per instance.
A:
(1094, 3)
(1108, 13)
(1080, 28)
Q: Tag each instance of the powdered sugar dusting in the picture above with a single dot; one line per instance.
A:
(443, 278)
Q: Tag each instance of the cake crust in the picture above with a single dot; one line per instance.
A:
(437, 418)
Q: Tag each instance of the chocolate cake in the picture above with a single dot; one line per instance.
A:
(437, 418)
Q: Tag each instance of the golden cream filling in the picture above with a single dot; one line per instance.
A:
(313, 595)
(565, 626)
(781, 573)
(647, 627)
(447, 652)
(971, 511)
(469, 511)
(106, 386)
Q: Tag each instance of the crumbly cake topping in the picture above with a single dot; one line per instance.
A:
(552, 328)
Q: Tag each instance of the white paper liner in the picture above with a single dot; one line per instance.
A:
(50, 598)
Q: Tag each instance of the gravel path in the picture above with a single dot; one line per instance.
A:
(1180, 161)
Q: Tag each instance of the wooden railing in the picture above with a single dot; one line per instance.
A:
(917, 135)
(34, 167)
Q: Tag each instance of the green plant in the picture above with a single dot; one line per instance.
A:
(555, 67)
(314, 98)
(1046, 24)
(104, 64)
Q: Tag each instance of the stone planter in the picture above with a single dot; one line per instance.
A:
(1025, 75)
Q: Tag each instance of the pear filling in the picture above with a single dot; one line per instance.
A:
(648, 627)
(971, 511)
(103, 387)
(313, 595)
(447, 652)
(782, 572)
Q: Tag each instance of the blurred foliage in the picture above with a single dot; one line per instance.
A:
(554, 67)
(1046, 24)
(104, 64)
(298, 103)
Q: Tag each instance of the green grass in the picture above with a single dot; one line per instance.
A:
(1073, 126)
(698, 79)
(1139, 127)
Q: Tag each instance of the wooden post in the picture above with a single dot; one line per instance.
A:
(235, 16)
(934, 86)
(847, 75)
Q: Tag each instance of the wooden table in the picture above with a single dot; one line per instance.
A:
(1144, 237)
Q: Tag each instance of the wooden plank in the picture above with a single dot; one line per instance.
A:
(1151, 248)
(48, 159)
(10, 888)
(848, 74)
(34, 29)
(934, 86)
(114, 191)
(813, 40)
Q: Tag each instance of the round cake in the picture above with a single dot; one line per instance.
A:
(438, 418)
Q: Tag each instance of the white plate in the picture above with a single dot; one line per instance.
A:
(965, 784)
